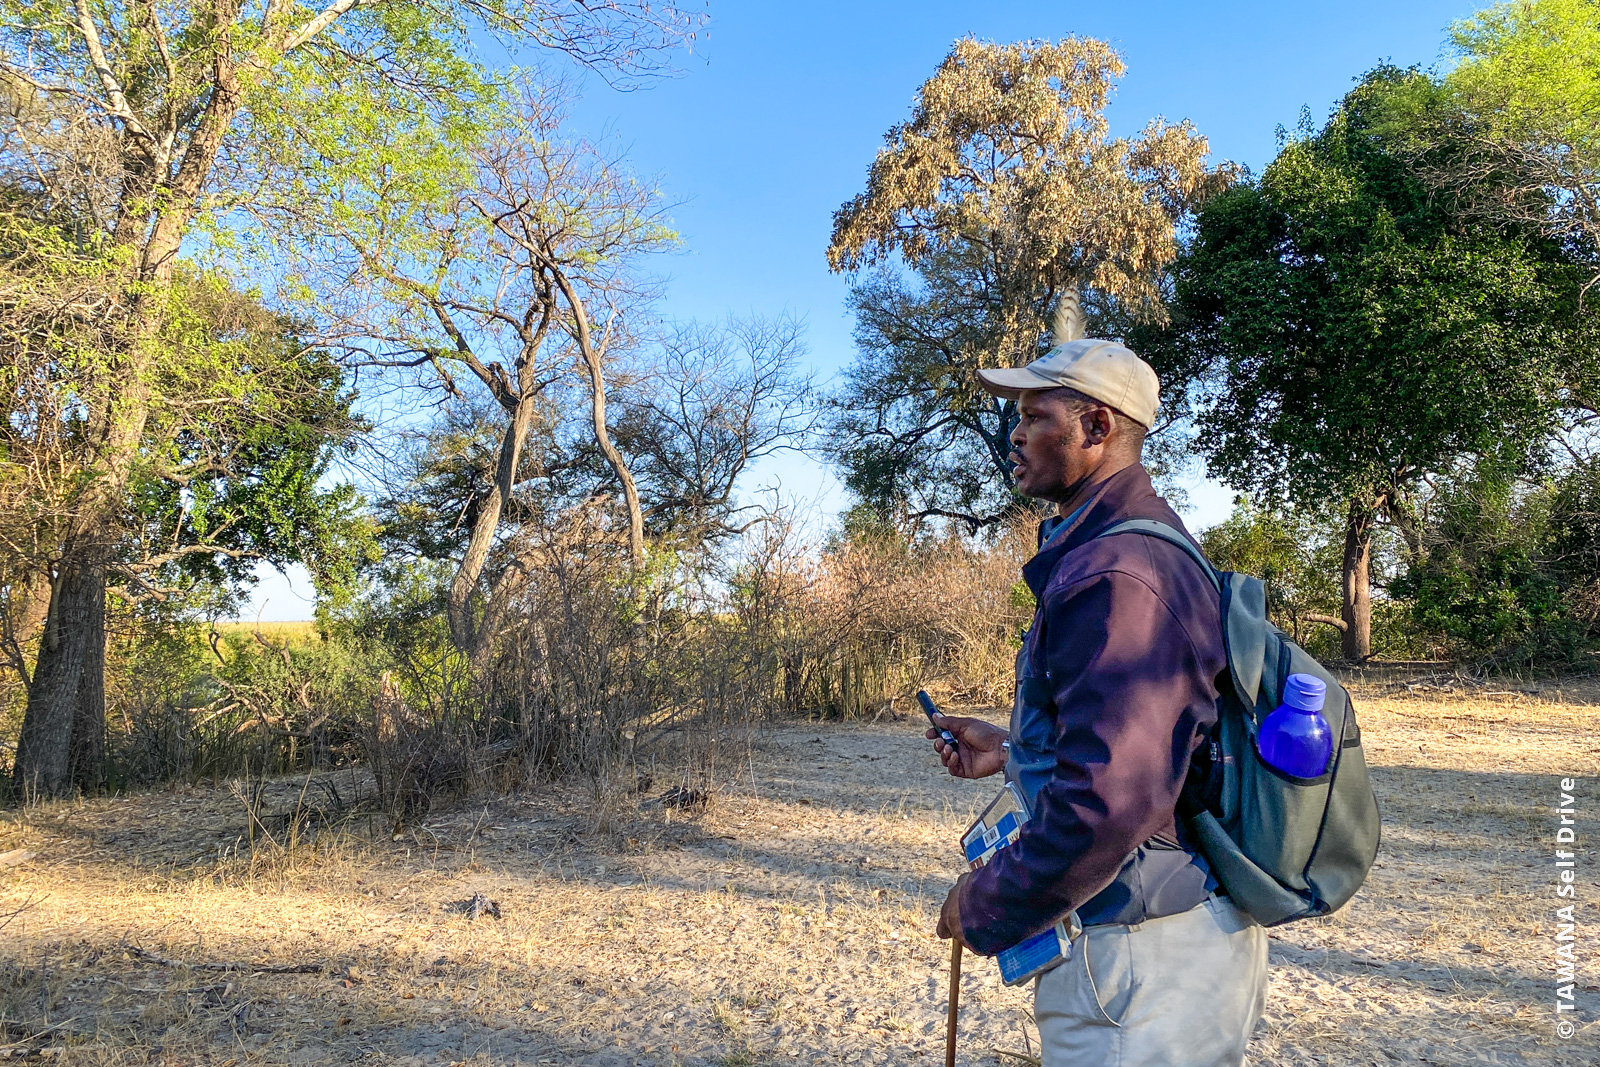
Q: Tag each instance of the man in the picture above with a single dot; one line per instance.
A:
(1116, 679)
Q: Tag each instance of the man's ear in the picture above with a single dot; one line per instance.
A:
(1098, 424)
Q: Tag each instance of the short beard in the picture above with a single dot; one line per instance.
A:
(1064, 494)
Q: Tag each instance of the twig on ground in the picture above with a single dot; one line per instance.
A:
(5, 920)
(24, 1033)
(257, 968)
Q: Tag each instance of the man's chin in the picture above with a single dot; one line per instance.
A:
(1033, 488)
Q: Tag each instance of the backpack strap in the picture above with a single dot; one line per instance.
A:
(1198, 783)
(1244, 609)
(1161, 531)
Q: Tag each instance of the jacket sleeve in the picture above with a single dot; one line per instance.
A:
(1127, 685)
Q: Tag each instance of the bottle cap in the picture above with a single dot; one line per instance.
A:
(1305, 691)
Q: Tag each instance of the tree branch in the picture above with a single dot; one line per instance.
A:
(329, 15)
(102, 67)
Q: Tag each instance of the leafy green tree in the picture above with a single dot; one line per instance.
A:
(1489, 582)
(999, 197)
(253, 421)
(247, 422)
(1574, 532)
(1366, 333)
(142, 120)
(1289, 550)
(1527, 88)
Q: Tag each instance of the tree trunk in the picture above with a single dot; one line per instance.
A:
(45, 764)
(602, 436)
(87, 750)
(1356, 640)
(63, 734)
(470, 636)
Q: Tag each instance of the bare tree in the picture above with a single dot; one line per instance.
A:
(713, 401)
(509, 284)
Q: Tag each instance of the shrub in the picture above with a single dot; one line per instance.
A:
(1503, 575)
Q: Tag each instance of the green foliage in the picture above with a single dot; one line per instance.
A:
(1481, 587)
(1573, 530)
(1531, 68)
(1527, 88)
(1366, 336)
(1297, 553)
(243, 424)
(1367, 330)
(399, 618)
(189, 702)
(1508, 572)
(249, 423)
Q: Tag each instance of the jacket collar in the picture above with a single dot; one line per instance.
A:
(1108, 502)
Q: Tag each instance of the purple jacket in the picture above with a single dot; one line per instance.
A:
(1116, 679)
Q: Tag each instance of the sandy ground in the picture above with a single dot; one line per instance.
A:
(791, 923)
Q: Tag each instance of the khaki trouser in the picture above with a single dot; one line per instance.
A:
(1180, 991)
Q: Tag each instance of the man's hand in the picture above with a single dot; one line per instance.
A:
(977, 753)
(950, 914)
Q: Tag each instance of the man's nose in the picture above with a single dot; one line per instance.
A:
(1017, 436)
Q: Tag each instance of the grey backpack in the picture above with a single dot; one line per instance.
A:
(1284, 848)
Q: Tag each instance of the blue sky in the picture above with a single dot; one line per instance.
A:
(771, 123)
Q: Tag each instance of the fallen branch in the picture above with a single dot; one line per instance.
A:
(24, 1034)
(256, 968)
(5, 920)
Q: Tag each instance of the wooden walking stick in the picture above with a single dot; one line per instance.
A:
(955, 998)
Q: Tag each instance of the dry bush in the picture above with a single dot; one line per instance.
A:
(645, 685)
(649, 685)
(186, 701)
(878, 616)
(634, 682)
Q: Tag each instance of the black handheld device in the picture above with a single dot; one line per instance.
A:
(930, 710)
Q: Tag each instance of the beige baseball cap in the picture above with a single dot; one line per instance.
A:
(1108, 371)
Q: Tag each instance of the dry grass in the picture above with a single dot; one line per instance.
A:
(790, 923)
(295, 633)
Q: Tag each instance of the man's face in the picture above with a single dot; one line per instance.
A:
(1049, 450)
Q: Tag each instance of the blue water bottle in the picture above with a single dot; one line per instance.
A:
(1295, 738)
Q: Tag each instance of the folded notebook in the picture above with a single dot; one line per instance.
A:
(997, 826)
